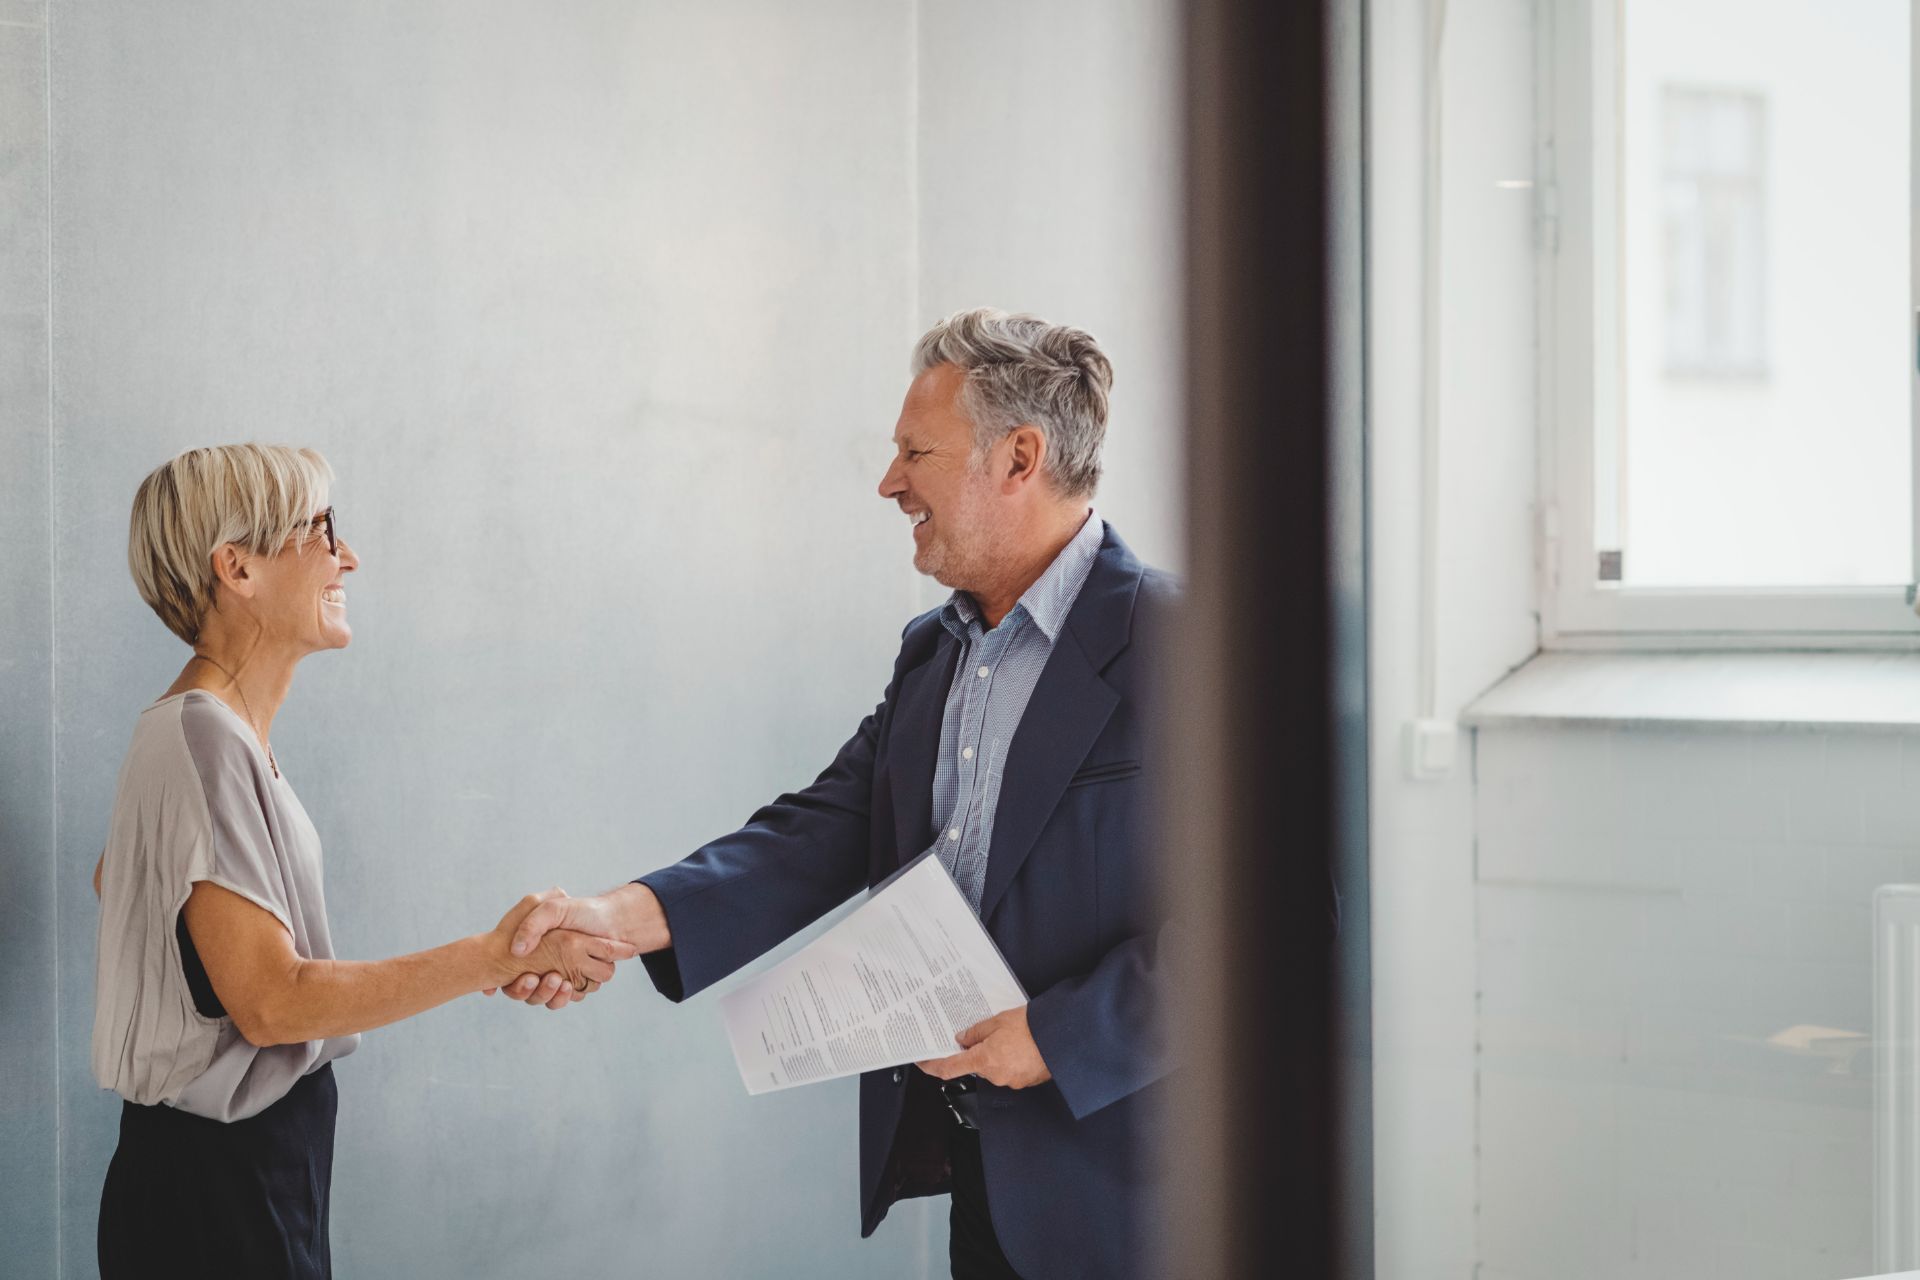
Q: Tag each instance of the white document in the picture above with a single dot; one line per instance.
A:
(892, 983)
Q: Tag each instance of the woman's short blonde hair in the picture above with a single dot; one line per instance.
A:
(255, 495)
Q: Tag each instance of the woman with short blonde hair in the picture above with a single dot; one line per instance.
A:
(219, 1006)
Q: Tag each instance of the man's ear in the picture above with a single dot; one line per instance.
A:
(1026, 453)
(230, 569)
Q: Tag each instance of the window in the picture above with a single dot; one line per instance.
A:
(1714, 259)
(1728, 334)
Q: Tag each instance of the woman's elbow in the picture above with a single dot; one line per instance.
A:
(264, 1023)
(272, 1008)
(257, 1027)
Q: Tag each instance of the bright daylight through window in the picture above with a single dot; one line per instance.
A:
(1756, 433)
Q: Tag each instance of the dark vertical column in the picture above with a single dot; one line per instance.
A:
(1270, 1140)
(29, 1114)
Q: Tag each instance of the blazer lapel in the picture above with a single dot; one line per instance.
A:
(1069, 708)
(918, 711)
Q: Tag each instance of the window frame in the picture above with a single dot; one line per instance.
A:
(1577, 337)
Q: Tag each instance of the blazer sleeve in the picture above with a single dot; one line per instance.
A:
(1104, 1033)
(799, 857)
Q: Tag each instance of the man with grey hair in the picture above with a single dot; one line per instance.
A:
(1011, 743)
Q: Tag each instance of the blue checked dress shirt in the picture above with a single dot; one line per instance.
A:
(991, 685)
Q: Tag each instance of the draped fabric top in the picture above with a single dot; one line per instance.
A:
(197, 801)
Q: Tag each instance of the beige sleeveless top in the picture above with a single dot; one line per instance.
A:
(197, 801)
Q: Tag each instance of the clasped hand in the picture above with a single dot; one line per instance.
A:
(1000, 1050)
(562, 966)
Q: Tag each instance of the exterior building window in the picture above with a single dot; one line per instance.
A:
(1713, 145)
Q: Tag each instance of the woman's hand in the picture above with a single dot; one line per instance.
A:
(581, 961)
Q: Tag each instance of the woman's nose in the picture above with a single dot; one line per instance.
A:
(348, 561)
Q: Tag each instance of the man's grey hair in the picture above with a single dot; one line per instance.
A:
(1019, 371)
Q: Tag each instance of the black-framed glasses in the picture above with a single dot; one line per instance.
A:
(326, 518)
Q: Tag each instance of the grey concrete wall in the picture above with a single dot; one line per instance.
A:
(601, 313)
(29, 1116)
(1051, 181)
(600, 322)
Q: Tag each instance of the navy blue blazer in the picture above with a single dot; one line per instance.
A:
(1071, 897)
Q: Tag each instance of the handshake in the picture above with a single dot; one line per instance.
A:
(554, 950)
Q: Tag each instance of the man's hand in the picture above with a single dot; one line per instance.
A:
(629, 914)
(574, 962)
(1000, 1050)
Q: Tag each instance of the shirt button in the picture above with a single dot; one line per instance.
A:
(966, 753)
(953, 834)
(985, 672)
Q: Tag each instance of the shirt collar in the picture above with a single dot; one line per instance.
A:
(1051, 597)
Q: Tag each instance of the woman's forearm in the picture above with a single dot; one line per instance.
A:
(323, 998)
(276, 996)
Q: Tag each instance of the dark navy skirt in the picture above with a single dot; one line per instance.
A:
(186, 1195)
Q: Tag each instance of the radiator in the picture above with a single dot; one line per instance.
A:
(1896, 1077)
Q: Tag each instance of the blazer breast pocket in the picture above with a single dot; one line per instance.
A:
(1108, 771)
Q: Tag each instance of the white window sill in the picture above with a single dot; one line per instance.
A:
(1735, 690)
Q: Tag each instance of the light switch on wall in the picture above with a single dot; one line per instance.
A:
(1430, 748)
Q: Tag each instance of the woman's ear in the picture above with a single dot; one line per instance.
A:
(230, 569)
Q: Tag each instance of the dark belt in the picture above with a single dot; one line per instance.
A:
(962, 1097)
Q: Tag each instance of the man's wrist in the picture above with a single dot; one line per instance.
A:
(640, 917)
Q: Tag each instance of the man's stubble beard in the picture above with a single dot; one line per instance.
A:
(967, 567)
(973, 570)
(936, 560)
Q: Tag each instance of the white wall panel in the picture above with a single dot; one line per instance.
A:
(1646, 1107)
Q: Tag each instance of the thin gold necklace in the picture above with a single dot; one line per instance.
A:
(252, 723)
